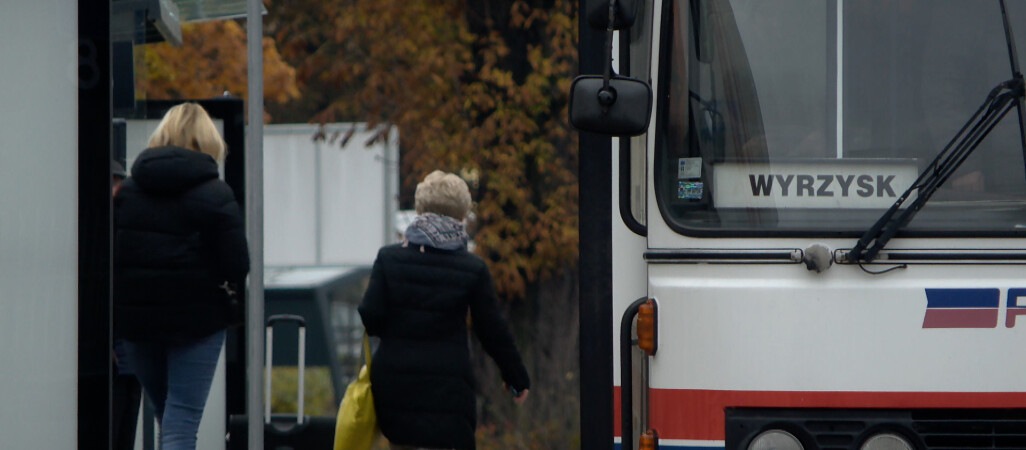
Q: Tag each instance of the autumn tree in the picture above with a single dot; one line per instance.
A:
(478, 88)
(210, 62)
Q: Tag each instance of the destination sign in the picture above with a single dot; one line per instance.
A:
(847, 183)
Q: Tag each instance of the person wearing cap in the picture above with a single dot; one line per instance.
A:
(417, 301)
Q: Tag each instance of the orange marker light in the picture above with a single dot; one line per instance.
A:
(649, 440)
(646, 327)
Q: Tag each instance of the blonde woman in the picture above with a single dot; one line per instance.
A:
(179, 241)
(417, 301)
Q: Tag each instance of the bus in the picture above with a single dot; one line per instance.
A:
(807, 230)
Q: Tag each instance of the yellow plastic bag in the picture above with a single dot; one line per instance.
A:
(356, 427)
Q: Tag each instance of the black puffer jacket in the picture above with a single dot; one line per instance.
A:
(417, 302)
(179, 234)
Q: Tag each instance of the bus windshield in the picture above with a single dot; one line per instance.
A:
(806, 117)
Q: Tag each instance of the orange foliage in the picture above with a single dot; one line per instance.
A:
(475, 87)
(210, 62)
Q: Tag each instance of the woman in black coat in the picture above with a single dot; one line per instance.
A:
(179, 243)
(417, 301)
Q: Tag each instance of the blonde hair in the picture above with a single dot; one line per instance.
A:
(188, 125)
(442, 193)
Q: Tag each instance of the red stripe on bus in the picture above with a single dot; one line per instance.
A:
(698, 413)
(961, 318)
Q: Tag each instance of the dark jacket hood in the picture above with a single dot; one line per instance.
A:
(169, 170)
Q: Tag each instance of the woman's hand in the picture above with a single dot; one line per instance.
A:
(518, 396)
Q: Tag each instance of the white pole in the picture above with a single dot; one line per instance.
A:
(840, 79)
(255, 221)
(268, 364)
(302, 374)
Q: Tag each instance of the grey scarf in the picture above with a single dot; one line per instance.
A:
(437, 231)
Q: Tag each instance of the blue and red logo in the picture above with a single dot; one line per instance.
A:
(972, 307)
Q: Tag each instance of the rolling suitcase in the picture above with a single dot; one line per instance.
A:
(284, 431)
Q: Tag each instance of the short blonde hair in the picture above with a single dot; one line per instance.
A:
(188, 125)
(442, 193)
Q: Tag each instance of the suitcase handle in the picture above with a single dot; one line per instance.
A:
(268, 363)
(286, 318)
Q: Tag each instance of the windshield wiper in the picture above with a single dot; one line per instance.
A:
(1013, 60)
(998, 103)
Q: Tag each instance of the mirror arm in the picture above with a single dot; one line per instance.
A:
(606, 95)
(608, 103)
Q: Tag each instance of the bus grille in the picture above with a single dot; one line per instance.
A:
(969, 429)
(927, 429)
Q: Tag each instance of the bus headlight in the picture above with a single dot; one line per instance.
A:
(775, 440)
(886, 441)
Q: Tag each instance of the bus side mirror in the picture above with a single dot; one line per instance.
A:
(623, 15)
(623, 108)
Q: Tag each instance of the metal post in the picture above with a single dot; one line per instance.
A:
(268, 364)
(595, 301)
(302, 375)
(318, 205)
(390, 163)
(255, 221)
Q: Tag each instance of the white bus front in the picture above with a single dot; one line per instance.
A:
(782, 132)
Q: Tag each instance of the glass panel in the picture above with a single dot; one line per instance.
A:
(347, 325)
(812, 117)
(640, 67)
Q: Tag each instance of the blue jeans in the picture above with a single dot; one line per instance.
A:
(176, 378)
